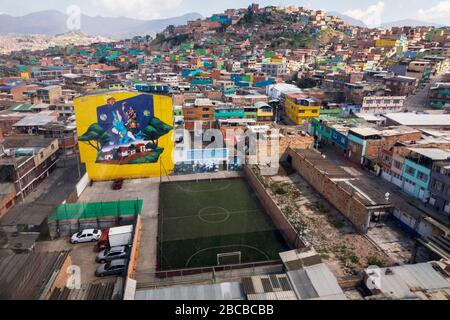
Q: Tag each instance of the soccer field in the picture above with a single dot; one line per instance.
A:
(201, 220)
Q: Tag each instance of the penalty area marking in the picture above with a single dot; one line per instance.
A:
(222, 247)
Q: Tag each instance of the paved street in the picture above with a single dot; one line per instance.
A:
(419, 100)
(47, 196)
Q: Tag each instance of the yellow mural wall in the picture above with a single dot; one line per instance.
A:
(86, 115)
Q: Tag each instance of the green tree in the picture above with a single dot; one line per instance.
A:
(155, 130)
(96, 137)
(305, 83)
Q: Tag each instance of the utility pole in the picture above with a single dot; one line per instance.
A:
(16, 169)
(61, 136)
(78, 162)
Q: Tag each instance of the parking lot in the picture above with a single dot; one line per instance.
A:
(82, 255)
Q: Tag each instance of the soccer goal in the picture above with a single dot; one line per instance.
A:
(229, 258)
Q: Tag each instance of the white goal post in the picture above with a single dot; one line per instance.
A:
(229, 258)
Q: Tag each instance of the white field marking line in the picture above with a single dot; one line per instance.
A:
(222, 188)
(221, 247)
(212, 214)
(225, 211)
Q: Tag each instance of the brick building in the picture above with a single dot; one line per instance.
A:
(201, 110)
(27, 160)
(345, 192)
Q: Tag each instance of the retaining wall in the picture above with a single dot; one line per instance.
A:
(279, 219)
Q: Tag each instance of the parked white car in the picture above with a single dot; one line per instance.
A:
(88, 235)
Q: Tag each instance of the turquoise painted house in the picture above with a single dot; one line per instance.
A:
(417, 170)
(416, 179)
(229, 113)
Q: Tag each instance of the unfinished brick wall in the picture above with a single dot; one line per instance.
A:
(354, 153)
(342, 200)
(373, 149)
(294, 142)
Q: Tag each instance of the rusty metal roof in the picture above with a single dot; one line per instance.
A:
(26, 276)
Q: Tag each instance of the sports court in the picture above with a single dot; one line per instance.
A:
(211, 223)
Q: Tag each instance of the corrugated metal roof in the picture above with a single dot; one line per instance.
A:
(99, 291)
(316, 283)
(26, 276)
(280, 295)
(323, 281)
(432, 153)
(303, 286)
(223, 291)
(21, 107)
(413, 119)
(269, 287)
(35, 120)
(401, 282)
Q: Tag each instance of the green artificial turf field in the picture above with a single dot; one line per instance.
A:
(200, 220)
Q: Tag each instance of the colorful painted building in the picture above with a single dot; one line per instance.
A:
(229, 113)
(264, 112)
(299, 108)
(417, 170)
(125, 135)
(440, 95)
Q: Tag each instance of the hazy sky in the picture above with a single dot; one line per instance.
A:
(370, 11)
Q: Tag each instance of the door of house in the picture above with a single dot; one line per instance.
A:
(409, 187)
(447, 208)
(421, 193)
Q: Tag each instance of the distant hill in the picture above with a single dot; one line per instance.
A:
(351, 21)
(54, 22)
(410, 23)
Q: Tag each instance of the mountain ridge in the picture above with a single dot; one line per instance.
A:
(409, 23)
(53, 22)
(348, 19)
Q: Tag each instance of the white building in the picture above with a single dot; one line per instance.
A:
(383, 104)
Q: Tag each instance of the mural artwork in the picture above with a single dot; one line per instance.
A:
(126, 132)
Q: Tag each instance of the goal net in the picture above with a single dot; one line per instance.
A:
(229, 258)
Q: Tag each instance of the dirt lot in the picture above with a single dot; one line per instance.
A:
(82, 255)
(345, 251)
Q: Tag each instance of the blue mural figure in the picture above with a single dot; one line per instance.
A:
(120, 129)
(131, 123)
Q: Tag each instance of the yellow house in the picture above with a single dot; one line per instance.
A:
(299, 108)
(25, 75)
(278, 59)
(264, 112)
(386, 43)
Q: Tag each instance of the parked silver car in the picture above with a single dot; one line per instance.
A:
(113, 268)
(112, 254)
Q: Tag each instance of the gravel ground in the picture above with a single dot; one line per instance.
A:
(346, 251)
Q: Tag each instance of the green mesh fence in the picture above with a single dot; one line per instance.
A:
(96, 210)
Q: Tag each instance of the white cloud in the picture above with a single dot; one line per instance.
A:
(370, 16)
(441, 11)
(138, 9)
